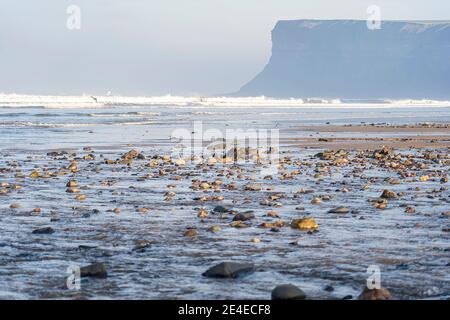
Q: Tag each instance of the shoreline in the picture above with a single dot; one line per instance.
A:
(422, 136)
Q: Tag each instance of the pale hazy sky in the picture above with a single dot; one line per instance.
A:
(160, 46)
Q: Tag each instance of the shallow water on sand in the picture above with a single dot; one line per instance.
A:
(37, 128)
(412, 250)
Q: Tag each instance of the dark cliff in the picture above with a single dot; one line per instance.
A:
(344, 59)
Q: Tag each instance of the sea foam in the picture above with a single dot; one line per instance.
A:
(86, 101)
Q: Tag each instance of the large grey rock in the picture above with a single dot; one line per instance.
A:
(229, 270)
(97, 270)
(287, 292)
(45, 230)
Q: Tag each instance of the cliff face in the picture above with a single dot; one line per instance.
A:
(344, 59)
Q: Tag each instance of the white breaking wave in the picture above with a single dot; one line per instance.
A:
(418, 102)
(64, 102)
(70, 125)
(84, 101)
(123, 115)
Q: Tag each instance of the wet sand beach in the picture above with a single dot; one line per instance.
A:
(150, 225)
(371, 137)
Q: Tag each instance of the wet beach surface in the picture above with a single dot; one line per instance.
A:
(136, 212)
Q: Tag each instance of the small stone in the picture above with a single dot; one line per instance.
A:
(316, 201)
(142, 210)
(14, 206)
(35, 175)
(170, 194)
(387, 194)
(221, 209)
(424, 178)
(73, 167)
(229, 270)
(253, 187)
(116, 210)
(215, 229)
(179, 162)
(233, 186)
(340, 161)
(304, 224)
(279, 223)
(132, 154)
(45, 230)
(96, 270)
(239, 225)
(375, 294)
(255, 240)
(329, 288)
(202, 214)
(272, 214)
(89, 157)
(383, 152)
(244, 216)
(191, 233)
(204, 185)
(381, 206)
(288, 292)
(339, 210)
(266, 225)
(72, 184)
(141, 245)
(37, 210)
(80, 197)
(410, 210)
